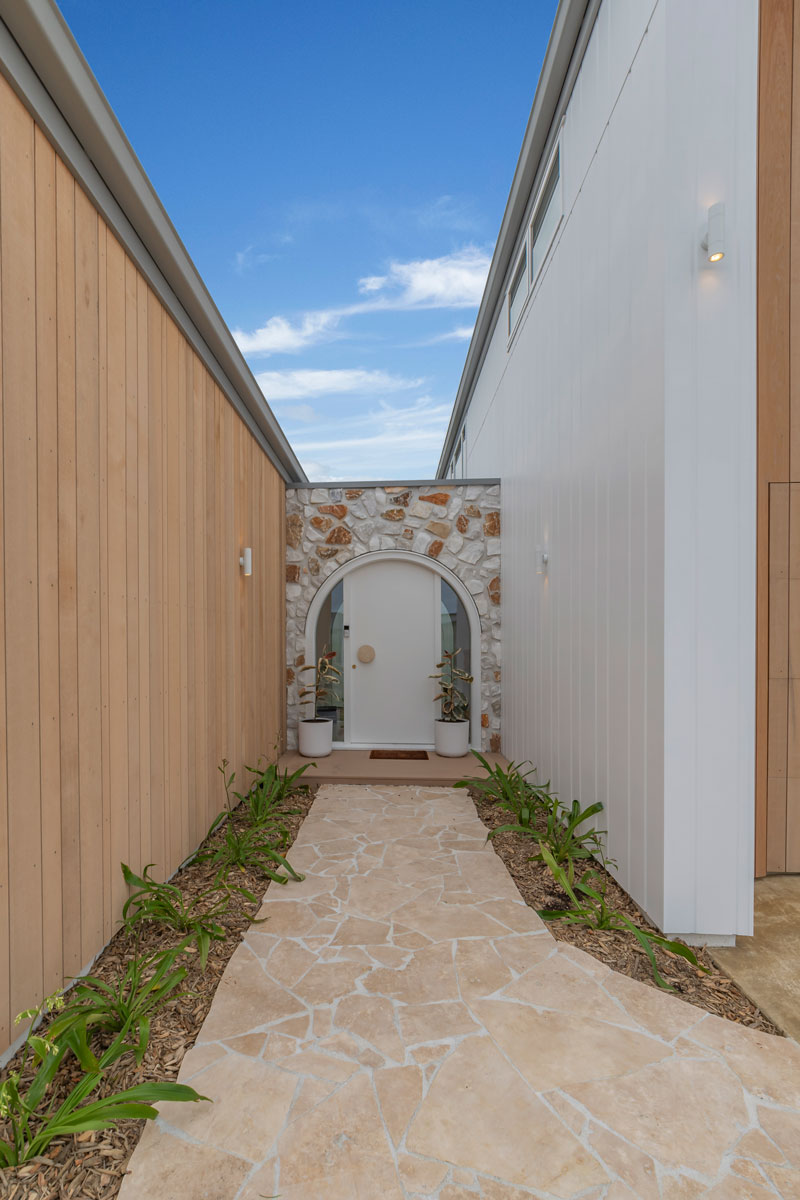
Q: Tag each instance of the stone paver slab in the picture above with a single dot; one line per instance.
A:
(403, 1027)
(246, 1109)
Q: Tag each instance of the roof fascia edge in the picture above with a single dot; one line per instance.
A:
(399, 484)
(36, 45)
(570, 20)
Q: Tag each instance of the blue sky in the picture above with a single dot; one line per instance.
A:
(338, 173)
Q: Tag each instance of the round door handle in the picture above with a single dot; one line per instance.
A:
(365, 654)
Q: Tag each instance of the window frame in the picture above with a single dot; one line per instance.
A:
(459, 454)
(525, 254)
(518, 279)
(558, 192)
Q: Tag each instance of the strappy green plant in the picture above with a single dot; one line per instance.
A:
(227, 783)
(278, 785)
(263, 804)
(259, 805)
(164, 904)
(129, 1002)
(31, 1123)
(262, 808)
(557, 829)
(510, 789)
(590, 907)
(246, 849)
(563, 838)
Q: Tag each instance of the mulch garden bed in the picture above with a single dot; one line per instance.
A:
(91, 1166)
(715, 991)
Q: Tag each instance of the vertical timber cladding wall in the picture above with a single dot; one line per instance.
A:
(134, 654)
(778, 670)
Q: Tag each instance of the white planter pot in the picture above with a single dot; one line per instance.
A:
(451, 738)
(315, 737)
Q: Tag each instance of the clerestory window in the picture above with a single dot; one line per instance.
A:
(546, 217)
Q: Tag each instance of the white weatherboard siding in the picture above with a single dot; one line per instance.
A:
(622, 424)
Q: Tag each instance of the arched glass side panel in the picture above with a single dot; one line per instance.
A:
(330, 636)
(455, 627)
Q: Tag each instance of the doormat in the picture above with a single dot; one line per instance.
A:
(419, 754)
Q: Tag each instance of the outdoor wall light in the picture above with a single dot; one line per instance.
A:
(542, 559)
(246, 560)
(714, 241)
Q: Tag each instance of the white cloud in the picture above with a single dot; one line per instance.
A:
(451, 281)
(371, 283)
(361, 445)
(320, 472)
(295, 385)
(448, 212)
(298, 412)
(462, 333)
(280, 336)
(248, 258)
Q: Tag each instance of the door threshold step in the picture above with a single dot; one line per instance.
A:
(356, 766)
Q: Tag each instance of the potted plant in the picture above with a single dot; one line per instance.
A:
(315, 733)
(451, 730)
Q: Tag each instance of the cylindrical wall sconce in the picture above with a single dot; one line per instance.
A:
(714, 241)
(246, 560)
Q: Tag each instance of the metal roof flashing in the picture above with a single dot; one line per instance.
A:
(569, 36)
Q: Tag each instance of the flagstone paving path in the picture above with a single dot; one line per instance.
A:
(402, 1026)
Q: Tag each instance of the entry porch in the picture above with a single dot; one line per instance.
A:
(359, 766)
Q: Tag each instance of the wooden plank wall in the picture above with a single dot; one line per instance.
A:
(134, 653)
(783, 784)
(778, 568)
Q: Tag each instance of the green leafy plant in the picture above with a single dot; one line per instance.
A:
(279, 784)
(562, 836)
(227, 782)
(32, 1123)
(163, 904)
(262, 807)
(538, 813)
(259, 805)
(126, 1004)
(246, 849)
(455, 702)
(557, 831)
(326, 684)
(510, 789)
(590, 907)
(269, 791)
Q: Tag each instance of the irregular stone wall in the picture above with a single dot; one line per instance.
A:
(457, 524)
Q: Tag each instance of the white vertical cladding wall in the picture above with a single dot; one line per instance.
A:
(710, 468)
(573, 420)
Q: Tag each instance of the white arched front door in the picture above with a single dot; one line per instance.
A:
(388, 617)
(392, 610)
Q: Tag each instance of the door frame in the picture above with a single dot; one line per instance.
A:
(464, 595)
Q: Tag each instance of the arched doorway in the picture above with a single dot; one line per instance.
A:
(389, 615)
